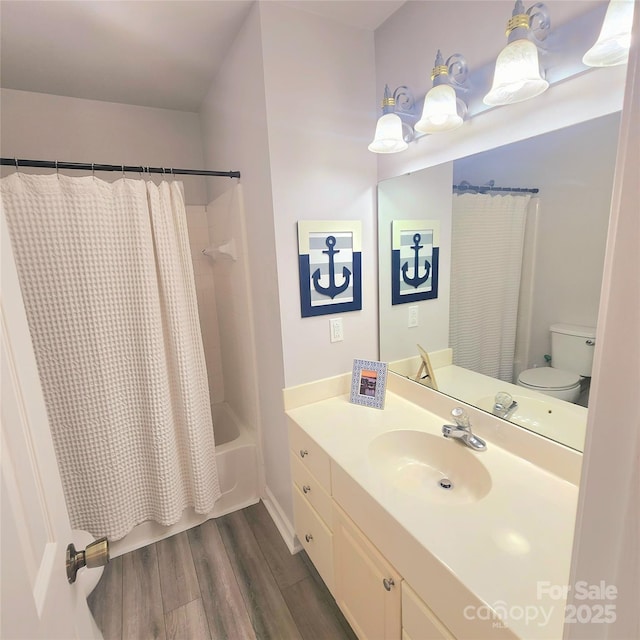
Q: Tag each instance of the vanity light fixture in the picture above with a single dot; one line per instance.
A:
(443, 110)
(392, 133)
(517, 76)
(614, 42)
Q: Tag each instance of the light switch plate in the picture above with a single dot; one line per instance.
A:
(337, 334)
(413, 316)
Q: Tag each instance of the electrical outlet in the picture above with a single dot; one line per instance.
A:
(413, 316)
(335, 325)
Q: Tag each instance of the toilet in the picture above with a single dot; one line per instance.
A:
(571, 360)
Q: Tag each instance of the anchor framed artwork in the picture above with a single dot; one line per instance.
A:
(415, 252)
(369, 383)
(330, 266)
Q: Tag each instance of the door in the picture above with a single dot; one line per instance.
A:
(36, 599)
(367, 587)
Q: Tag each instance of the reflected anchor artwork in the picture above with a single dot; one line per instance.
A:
(417, 280)
(414, 260)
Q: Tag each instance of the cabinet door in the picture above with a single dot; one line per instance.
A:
(368, 589)
(418, 621)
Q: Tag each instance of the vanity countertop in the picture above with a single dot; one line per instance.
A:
(502, 547)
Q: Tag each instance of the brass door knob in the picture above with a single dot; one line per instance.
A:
(95, 555)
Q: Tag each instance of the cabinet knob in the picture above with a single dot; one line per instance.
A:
(306, 488)
(303, 453)
(388, 583)
(308, 537)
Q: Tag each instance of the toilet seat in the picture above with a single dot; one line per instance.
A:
(549, 378)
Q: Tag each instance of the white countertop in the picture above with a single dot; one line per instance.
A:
(500, 547)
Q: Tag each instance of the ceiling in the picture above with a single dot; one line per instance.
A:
(150, 53)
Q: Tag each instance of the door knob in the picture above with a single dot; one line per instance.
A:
(388, 583)
(95, 555)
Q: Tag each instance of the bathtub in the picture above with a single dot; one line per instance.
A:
(237, 460)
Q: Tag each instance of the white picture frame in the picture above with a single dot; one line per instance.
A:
(369, 383)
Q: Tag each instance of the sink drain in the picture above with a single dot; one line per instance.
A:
(445, 483)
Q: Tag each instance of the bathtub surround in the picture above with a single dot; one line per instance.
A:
(108, 288)
(238, 474)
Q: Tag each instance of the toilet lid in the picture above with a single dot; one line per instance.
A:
(549, 378)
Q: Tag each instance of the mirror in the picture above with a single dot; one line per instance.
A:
(557, 269)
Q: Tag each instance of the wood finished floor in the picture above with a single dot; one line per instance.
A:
(230, 578)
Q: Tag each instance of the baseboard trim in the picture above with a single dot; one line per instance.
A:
(281, 521)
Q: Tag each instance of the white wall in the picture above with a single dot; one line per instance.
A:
(286, 109)
(234, 127)
(319, 81)
(38, 126)
(425, 195)
(573, 168)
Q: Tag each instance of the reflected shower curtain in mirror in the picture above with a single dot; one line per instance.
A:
(107, 280)
(486, 264)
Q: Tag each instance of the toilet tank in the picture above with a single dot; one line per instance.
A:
(572, 348)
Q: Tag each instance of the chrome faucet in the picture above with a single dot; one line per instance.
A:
(462, 430)
(504, 405)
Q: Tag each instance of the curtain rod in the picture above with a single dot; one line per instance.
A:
(90, 166)
(465, 186)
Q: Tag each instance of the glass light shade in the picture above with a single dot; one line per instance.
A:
(517, 76)
(612, 47)
(440, 112)
(388, 138)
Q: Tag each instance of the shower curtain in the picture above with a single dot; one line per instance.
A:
(486, 264)
(106, 276)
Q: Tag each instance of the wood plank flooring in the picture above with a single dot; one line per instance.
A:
(231, 578)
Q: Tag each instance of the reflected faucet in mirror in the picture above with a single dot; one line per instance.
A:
(505, 405)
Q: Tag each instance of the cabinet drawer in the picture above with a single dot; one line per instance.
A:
(418, 621)
(314, 536)
(313, 492)
(311, 455)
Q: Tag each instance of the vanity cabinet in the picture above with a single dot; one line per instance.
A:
(418, 621)
(367, 587)
(312, 503)
(370, 592)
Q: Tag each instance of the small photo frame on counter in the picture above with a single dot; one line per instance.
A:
(369, 383)
(425, 373)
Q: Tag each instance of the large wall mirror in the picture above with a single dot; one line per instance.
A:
(515, 268)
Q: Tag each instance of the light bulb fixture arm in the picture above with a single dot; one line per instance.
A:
(453, 72)
(533, 24)
(405, 104)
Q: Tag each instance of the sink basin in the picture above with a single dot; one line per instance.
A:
(424, 465)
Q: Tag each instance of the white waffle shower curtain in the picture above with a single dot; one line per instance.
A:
(486, 263)
(107, 280)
